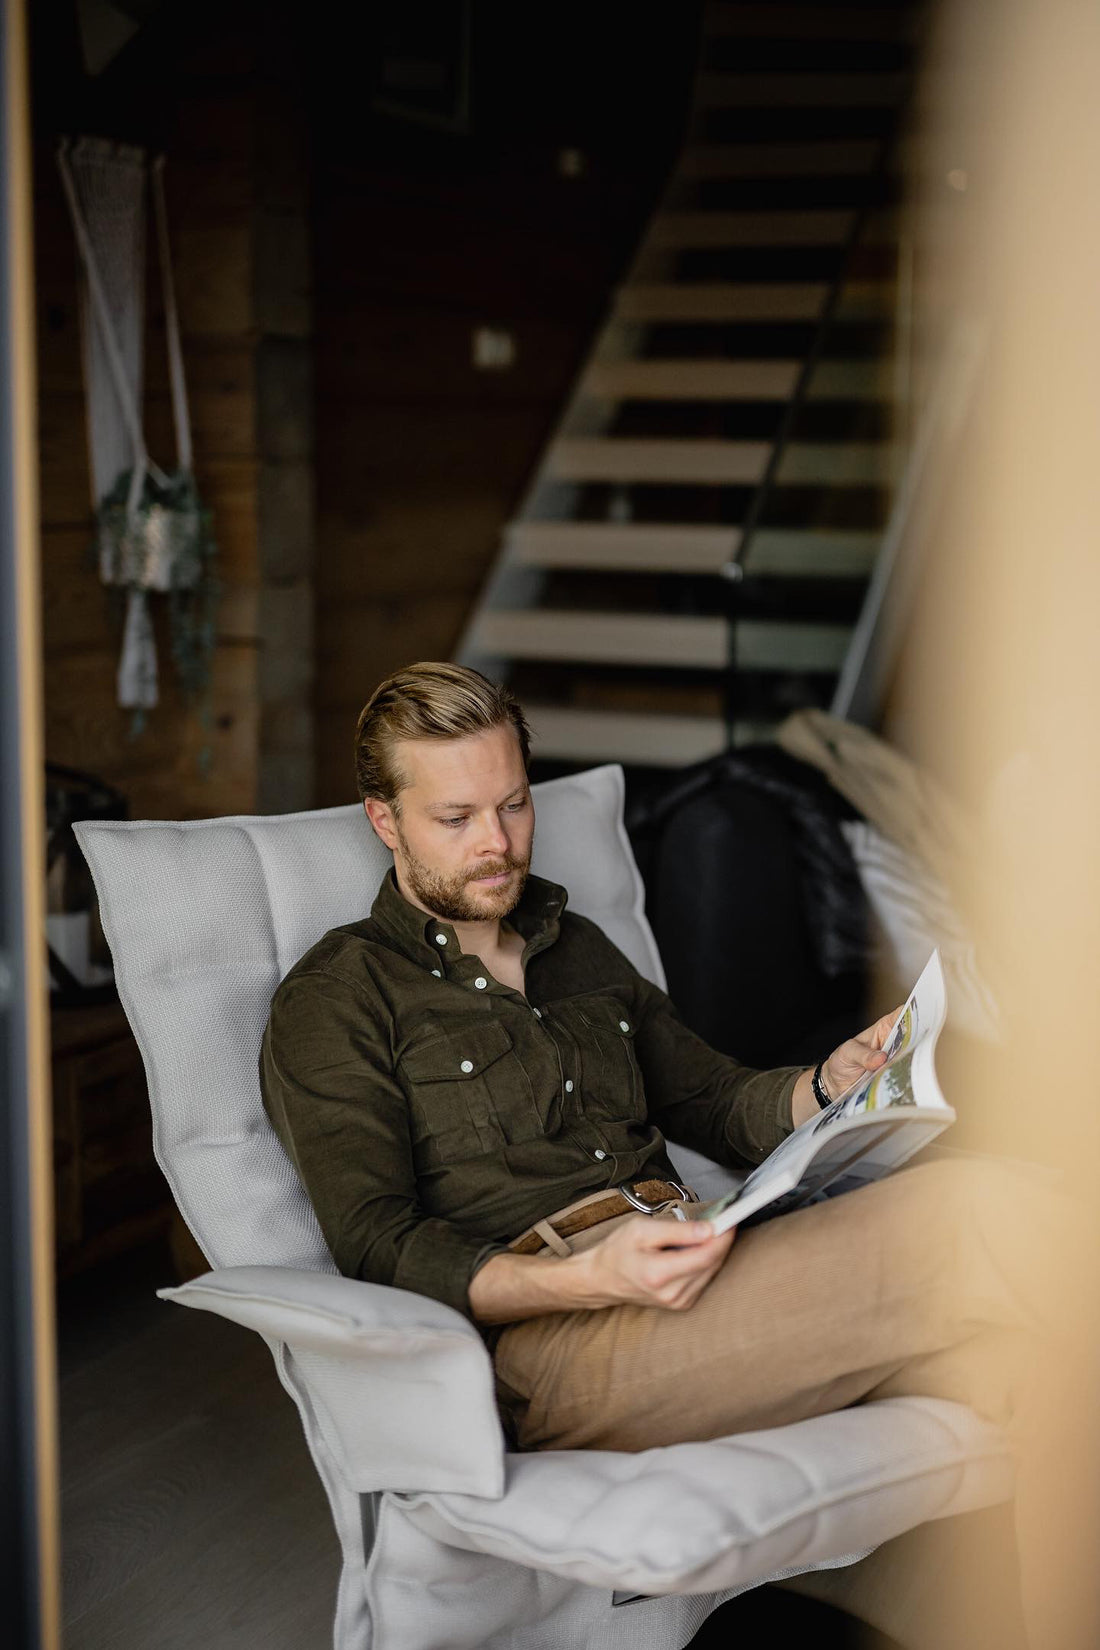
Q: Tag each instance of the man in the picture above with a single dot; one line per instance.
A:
(466, 1077)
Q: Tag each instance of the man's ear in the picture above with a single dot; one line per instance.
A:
(380, 815)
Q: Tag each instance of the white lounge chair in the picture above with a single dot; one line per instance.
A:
(449, 1541)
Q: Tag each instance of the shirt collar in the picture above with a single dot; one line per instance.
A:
(536, 918)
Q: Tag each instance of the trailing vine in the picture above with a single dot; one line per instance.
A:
(166, 543)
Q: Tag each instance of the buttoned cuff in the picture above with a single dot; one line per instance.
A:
(439, 1260)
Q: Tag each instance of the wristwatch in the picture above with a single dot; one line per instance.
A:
(821, 1093)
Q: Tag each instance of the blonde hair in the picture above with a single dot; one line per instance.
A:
(429, 700)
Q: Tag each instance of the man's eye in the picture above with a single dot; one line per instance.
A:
(461, 820)
(515, 807)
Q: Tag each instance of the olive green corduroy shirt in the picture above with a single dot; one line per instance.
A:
(433, 1113)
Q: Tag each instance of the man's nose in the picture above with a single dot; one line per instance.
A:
(492, 838)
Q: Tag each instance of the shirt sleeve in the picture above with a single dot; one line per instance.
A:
(330, 1092)
(709, 1101)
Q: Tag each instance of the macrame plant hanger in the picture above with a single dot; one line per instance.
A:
(151, 531)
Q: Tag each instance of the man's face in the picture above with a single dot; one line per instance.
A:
(461, 836)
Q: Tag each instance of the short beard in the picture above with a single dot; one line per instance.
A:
(446, 897)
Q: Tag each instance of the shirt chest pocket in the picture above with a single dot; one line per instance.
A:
(611, 1081)
(468, 1092)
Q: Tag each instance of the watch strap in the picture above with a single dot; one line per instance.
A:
(821, 1093)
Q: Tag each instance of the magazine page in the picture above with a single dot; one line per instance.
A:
(869, 1130)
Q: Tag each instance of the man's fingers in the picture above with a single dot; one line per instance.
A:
(686, 1264)
(672, 1234)
(860, 1053)
(666, 1261)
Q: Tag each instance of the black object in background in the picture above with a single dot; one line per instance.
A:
(756, 905)
(82, 975)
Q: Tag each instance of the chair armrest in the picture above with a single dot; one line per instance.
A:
(401, 1386)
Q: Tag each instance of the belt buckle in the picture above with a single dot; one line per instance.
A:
(673, 1203)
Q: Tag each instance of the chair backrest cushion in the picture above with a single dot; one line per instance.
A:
(204, 918)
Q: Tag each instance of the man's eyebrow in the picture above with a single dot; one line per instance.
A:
(458, 807)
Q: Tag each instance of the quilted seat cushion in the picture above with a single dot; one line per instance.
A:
(746, 1507)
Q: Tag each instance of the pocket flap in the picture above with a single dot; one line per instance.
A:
(450, 1056)
(607, 1014)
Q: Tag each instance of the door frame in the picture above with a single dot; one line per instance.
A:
(29, 1519)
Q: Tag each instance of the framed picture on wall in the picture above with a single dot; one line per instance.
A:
(422, 62)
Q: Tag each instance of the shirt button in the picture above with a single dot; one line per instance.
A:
(599, 1155)
(481, 982)
(623, 1026)
(438, 973)
(441, 939)
(568, 1085)
(467, 1065)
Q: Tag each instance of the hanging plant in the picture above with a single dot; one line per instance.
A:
(165, 542)
(152, 532)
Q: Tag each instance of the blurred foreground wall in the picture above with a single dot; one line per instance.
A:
(1001, 692)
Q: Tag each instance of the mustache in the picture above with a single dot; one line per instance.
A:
(497, 868)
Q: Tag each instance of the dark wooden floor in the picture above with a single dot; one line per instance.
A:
(192, 1516)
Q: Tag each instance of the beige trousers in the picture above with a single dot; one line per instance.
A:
(930, 1282)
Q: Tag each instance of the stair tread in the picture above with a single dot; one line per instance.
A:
(692, 380)
(698, 379)
(827, 90)
(872, 379)
(714, 301)
(697, 642)
(819, 552)
(651, 739)
(652, 459)
(694, 461)
(866, 301)
(623, 546)
(845, 158)
(648, 547)
(837, 463)
(827, 226)
(722, 301)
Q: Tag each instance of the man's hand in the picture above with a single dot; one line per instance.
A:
(647, 1261)
(845, 1066)
(859, 1055)
(655, 1262)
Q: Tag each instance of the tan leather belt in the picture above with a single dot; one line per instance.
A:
(647, 1197)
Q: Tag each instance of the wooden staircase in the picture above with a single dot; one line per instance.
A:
(715, 493)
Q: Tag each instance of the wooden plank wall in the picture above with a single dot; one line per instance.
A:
(203, 114)
(282, 284)
(416, 238)
(422, 236)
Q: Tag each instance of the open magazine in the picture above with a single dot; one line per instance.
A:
(870, 1130)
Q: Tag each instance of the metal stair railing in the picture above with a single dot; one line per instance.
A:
(733, 572)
